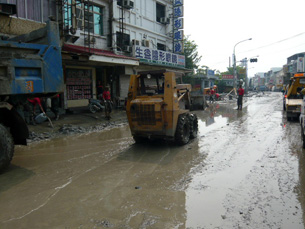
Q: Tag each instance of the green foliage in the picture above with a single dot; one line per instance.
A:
(192, 57)
(221, 86)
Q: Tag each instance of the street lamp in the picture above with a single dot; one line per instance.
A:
(234, 62)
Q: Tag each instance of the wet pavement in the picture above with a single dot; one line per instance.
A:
(245, 170)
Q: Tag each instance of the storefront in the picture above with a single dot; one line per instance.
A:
(84, 70)
(80, 85)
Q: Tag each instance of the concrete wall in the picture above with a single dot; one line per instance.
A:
(12, 26)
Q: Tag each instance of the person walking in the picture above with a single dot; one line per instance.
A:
(212, 94)
(99, 89)
(107, 101)
(55, 106)
(240, 92)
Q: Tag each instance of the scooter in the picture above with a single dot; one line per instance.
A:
(95, 105)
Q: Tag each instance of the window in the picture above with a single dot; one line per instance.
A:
(160, 12)
(94, 19)
(88, 17)
(161, 47)
(35, 10)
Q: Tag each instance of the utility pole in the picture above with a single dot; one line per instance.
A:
(234, 63)
(246, 86)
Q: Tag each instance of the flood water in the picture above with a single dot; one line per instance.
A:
(245, 170)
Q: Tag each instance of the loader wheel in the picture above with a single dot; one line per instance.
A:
(193, 126)
(182, 135)
(6, 148)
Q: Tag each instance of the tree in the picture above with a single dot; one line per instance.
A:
(192, 57)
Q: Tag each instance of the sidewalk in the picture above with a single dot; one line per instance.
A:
(79, 121)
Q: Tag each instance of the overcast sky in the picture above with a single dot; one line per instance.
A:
(277, 29)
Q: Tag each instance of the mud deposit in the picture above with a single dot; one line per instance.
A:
(245, 170)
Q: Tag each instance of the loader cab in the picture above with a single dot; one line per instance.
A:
(150, 84)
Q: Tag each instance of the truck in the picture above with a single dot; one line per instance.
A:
(30, 66)
(159, 108)
(198, 99)
(293, 98)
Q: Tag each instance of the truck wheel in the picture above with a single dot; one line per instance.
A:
(193, 126)
(6, 147)
(182, 135)
(139, 139)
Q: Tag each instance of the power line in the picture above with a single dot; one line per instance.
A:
(274, 43)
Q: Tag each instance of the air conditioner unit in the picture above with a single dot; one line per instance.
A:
(127, 48)
(135, 42)
(145, 43)
(128, 4)
(71, 35)
(165, 20)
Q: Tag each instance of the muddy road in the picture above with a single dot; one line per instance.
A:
(245, 170)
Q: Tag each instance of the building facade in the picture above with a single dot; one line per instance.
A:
(105, 41)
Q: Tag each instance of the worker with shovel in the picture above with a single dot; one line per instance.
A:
(31, 108)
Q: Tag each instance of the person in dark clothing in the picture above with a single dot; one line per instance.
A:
(99, 90)
(212, 95)
(240, 92)
(55, 106)
(108, 103)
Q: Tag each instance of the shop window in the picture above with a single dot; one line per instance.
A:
(160, 12)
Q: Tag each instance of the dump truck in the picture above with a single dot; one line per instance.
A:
(30, 66)
(159, 108)
(293, 98)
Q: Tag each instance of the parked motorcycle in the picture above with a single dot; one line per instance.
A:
(96, 105)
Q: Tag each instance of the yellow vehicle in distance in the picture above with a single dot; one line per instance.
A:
(293, 98)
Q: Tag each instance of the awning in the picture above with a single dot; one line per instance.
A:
(100, 55)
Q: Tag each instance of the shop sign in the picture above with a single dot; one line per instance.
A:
(178, 11)
(227, 77)
(159, 57)
(178, 47)
(178, 2)
(178, 23)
